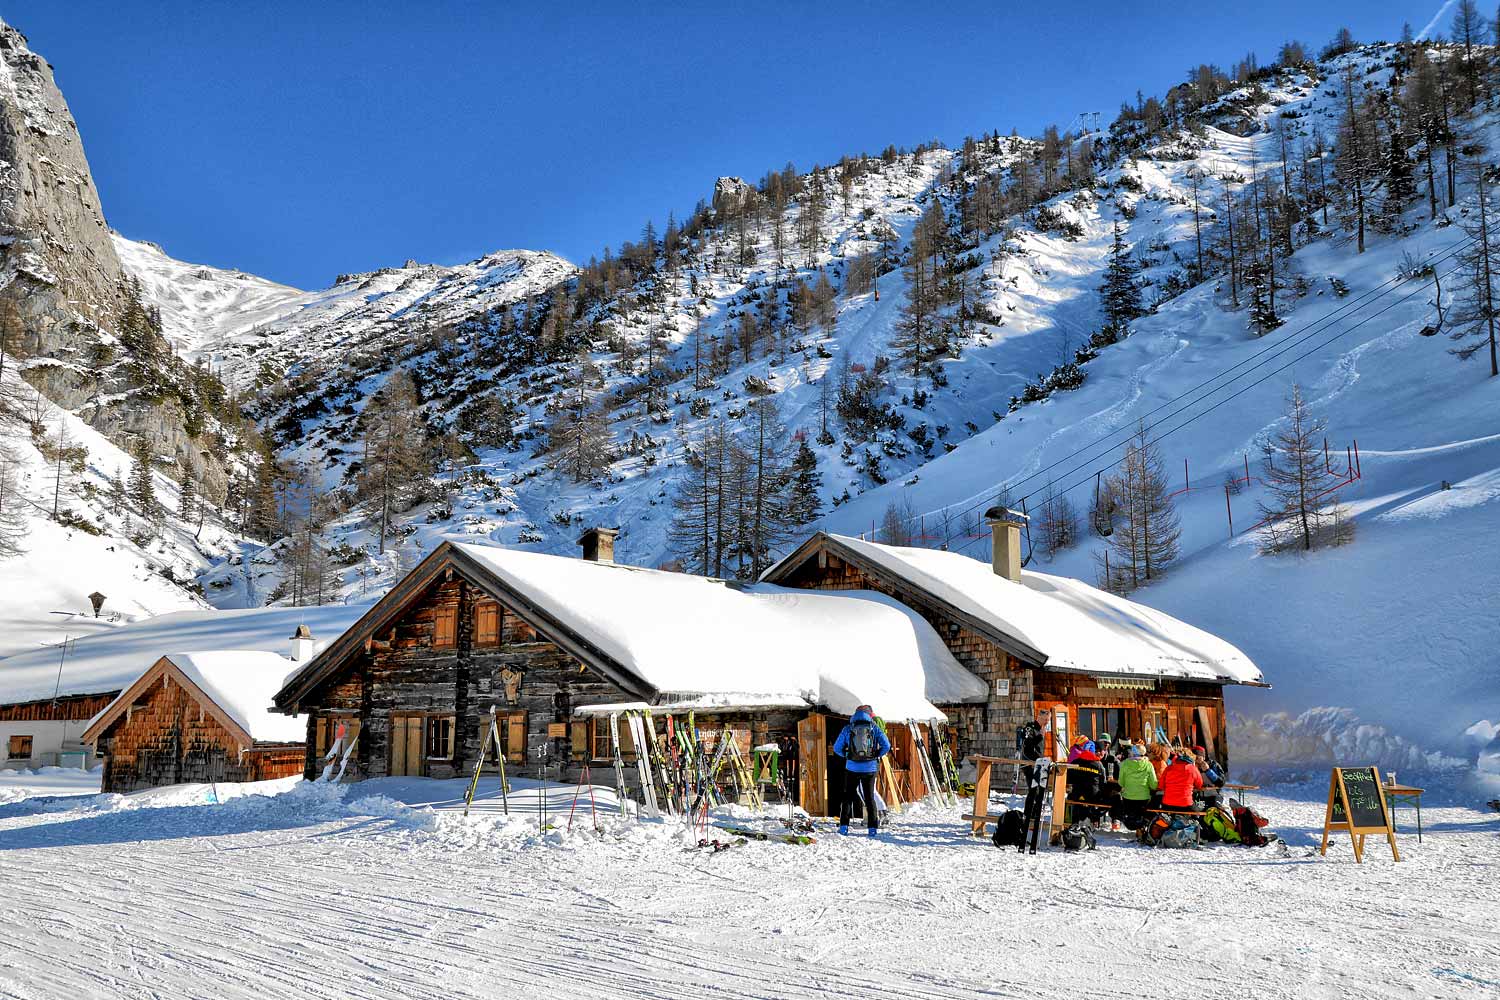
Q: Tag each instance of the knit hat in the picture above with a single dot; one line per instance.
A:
(1137, 751)
(1089, 746)
(1103, 738)
(1198, 751)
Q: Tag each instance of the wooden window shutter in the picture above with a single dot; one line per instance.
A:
(627, 745)
(320, 738)
(515, 738)
(487, 624)
(578, 734)
(445, 627)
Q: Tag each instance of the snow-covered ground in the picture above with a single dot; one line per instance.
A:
(323, 891)
(47, 782)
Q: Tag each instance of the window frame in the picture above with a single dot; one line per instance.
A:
(22, 740)
(433, 725)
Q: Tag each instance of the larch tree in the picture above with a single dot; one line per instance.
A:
(1297, 513)
(1355, 159)
(579, 436)
(1473, 318)
(1057, 522)
(397, 464)
(766, 481)
(1144, 541)
(1468, 30)
(13, 502)
(66, 461)
(701, 509)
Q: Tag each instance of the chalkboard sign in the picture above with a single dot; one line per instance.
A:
(1356, 805)
(1364, 797)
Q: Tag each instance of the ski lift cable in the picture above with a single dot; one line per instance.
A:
(1266, 355)
(1238, 392)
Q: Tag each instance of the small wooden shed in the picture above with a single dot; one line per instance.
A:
(199, 717)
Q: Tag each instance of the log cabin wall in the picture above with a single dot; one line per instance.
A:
(988, 729)
(167, 738)
(1186, 710)
(451, 656)
(73, 708)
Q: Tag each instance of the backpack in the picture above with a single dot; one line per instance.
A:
(1247, 824)
(1159, 825)
(1078, 837)
(1179, 834)
(1223, 826)
(862, 742)
(1010, 829)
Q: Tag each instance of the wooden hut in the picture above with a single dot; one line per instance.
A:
(1050, 648)
(198, 717)
(43, 732)
(541, 638)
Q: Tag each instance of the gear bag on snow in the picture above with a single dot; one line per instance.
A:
(861, 747)
(1010, 829)
(1179, 833)
(1079, 837)
(1221, 824)
(1248, 823)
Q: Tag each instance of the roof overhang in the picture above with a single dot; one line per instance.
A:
(1027, 654)
(162, 670)
(389, 609)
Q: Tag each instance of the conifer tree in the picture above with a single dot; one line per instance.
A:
(187, 499)
(1121, 298)
(701, 510)
(141, 489)
(804, 503)
(766, 479)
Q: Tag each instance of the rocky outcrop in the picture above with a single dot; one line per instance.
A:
(730, 195)
(56, 252)
(62, 307)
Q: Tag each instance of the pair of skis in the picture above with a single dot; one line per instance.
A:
(752, 834)
(929, 774)
(340, 754)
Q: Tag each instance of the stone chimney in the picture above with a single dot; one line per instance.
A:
(302, 644)
(599, 544)
(1005, 531)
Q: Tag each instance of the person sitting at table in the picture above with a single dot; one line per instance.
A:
(1137, 783)
(1157, 754)
(1079, 743)
(1179, 781)
(1086, 781)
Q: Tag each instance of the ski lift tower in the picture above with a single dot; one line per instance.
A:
(1087, 123)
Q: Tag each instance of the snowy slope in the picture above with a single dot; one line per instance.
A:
(202, 306)
(113, 658)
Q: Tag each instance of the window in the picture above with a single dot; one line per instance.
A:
(20, 748)
(487, 624)
(326, 733)
(445, 627)
(1093, 721)
(440, 738)
(599, 728)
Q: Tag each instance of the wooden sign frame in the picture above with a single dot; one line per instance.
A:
(1338, 793)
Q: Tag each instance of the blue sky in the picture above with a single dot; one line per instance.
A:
(300, 140)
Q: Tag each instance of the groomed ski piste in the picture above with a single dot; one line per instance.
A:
(384, 889)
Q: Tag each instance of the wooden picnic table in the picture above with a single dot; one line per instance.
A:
(1393, 792)
(981, 814)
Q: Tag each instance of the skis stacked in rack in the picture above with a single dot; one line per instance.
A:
(619, 761)
(649, 806)
(929, 774)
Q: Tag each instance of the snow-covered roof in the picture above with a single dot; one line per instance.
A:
(718, 643)
(112, 660)
(1075, 626)
(242, 682)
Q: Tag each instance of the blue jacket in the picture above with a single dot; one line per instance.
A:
(882, 746)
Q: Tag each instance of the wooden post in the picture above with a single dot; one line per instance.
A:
(981, 794)
(1059, 778)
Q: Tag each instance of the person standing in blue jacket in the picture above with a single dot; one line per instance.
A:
(861, 744)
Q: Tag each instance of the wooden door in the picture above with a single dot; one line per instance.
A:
(406, 746)
(812, 742)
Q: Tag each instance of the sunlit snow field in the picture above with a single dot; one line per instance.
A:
(288, 889)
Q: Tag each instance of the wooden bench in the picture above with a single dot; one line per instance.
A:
(1147, 809)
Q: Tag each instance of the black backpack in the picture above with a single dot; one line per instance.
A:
(862, 742)
(1010, 829)
(1078, 837)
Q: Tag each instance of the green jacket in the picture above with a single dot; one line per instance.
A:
(1137, 779)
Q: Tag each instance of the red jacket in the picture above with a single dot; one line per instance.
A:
(1178, 782)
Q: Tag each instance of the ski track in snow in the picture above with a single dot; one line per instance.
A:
(183, 901)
